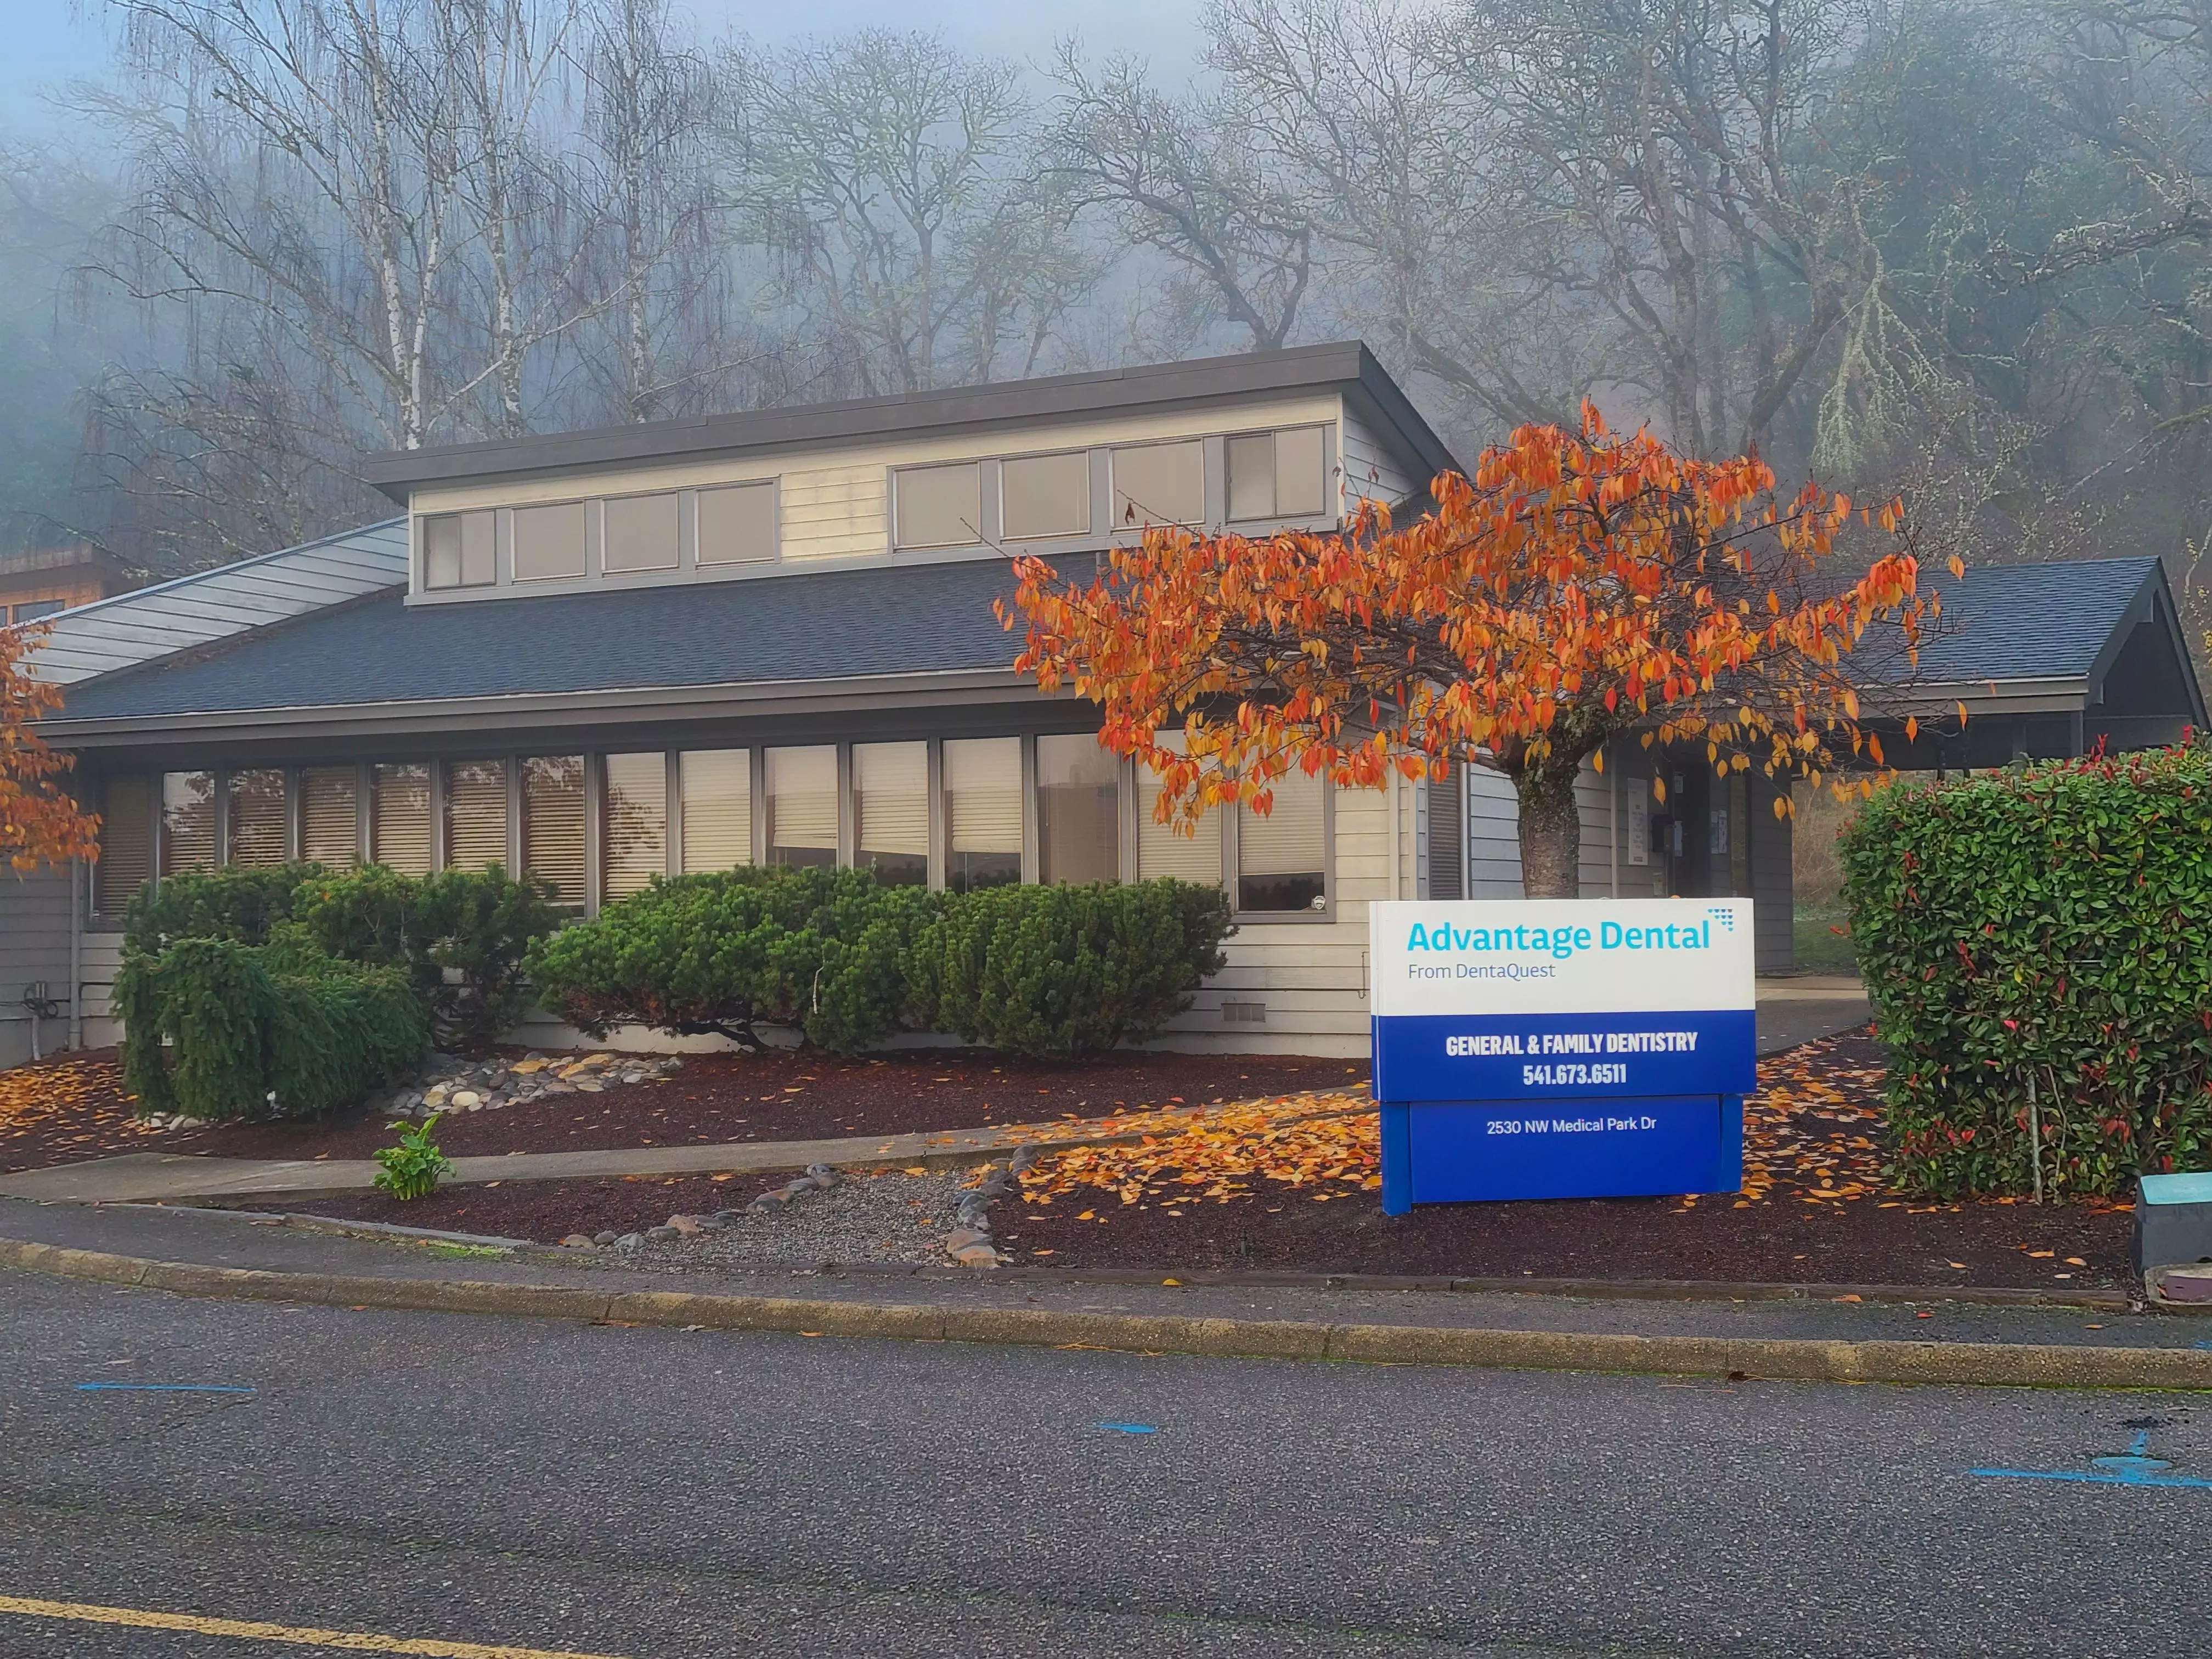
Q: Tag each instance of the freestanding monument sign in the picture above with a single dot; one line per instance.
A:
(1561, 1047)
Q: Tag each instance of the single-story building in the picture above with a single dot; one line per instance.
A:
(769, 637)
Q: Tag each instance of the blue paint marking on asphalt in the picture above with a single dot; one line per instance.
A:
(2135, 1467)
(160, 1388)
(1129, 1428)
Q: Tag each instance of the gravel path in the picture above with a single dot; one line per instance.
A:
(883, 1216)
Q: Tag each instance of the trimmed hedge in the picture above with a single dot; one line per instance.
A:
(218, 1029)
(459, 936)
(2044, 929)
(820, 949)
(1059, 971)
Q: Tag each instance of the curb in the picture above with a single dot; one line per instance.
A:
(1789, 1358)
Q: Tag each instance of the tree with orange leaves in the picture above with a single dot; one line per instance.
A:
(40, 822)
(1581, 587)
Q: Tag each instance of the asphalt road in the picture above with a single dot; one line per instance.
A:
(650, 1494)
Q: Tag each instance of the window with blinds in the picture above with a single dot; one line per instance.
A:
(255, 826)
(1159, 483)
(1447, 853)
(640, 531)
(801, 785)
(939, 505)
(553, 824)
(187, 821)
(737, 524)
(633, 823)
(126, 842)
(982, 812)
(548, 542)
(1045, 495)
(1281, 858)
(1078, 810)
(330, 816)
(459, 548)
(476, 814)
(1278, 475)
(399, 818)
(1164, 850)
(890, 811)
(717, 786)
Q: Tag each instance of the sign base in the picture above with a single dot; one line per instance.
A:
(1490, 1151)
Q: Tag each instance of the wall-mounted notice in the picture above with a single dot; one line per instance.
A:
(1556, 1049)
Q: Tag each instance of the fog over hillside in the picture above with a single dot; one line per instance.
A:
(1960, 250)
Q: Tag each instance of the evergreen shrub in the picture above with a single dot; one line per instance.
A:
(1055, 972)
(234, 902)
(2034, 944)
(218, 1029)
(726, 952)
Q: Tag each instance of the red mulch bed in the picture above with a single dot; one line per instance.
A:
(548, 1211)
(67, 1110)
(1594, 1238)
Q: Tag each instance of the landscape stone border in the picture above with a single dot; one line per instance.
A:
(1997, 1364)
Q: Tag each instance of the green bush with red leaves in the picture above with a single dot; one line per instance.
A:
(2037, 944)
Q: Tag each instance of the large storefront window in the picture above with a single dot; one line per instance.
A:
(1078, 810)
(802, 806)
(891, 809)
(982, 812)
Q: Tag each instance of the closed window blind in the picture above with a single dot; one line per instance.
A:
(126, 842)
(633, 823)
(1163, 850)
(1159, 483)
(939, 505)
(802, 805)
(1045, 495)
(1278, 475)
(890, 802)
(718, 808)
(476, 814)
(399, 818)
(256, 827)
(553, 824)
(640, 531)
(330, 816)
(548, 542)
(1448, 835)
(983, 811)
(737, 524)
(1078, 810)
(1281, 858)
(187, 821)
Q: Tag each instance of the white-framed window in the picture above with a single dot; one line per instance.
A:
(938, 505)
(459, 548)
(1278, 475)
(1162, 483)
(1045, 495)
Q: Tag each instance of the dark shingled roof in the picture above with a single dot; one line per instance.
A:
(825, 625)
(2013, 621)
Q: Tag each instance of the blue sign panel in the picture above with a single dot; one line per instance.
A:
(1555, 1048)
(1508, 1056)
(1460, 1152)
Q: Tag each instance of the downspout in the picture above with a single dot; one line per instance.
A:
(77, 875)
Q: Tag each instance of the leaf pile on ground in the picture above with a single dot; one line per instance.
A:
(1812, 1135)
(76, 1106)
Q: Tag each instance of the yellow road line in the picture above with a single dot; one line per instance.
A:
(350, 1641)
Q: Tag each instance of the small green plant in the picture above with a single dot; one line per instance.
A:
(413, 1168)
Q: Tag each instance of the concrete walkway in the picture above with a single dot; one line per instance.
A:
(148, 1177)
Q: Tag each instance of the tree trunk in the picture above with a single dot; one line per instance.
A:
(1551, 833)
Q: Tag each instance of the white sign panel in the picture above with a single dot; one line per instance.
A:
(1560, 956)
